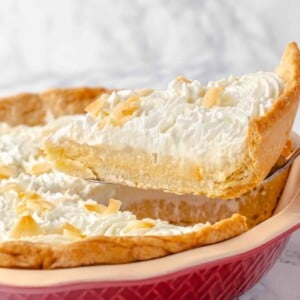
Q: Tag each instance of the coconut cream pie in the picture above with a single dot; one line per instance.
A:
(50, 219)
(220, 140)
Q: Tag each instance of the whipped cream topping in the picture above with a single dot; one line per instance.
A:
(72, 209)
(178, 122)
(254, 94)
(17, 143)
(58, 182)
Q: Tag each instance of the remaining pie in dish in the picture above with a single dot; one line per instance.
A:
(220, 140)
(48, 219)
(51, 230)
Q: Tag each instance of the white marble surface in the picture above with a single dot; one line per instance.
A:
(126, 43)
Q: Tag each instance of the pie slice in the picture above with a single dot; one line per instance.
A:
(44, 230)
(220, 140)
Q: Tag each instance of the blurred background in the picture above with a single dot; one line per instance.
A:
(128, 44)
(132, 44)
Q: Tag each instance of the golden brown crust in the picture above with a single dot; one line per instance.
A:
(112, 250)
(268, 135)
(265, 141)
(288, 148)
(32, 109)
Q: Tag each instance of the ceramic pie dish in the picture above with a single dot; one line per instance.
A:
(219, 271)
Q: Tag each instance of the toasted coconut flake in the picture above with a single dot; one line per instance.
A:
(112, 208)
(72, 232)
(123, 112)
(8, 171)
(26, 226)
(137, 224)
(212, 96)
(11, 187)
(33, 202)
(116, 116)
(183, 79)
(40, 205)
(95, 107)
(39, 168)
(99, 208)
(144, 92)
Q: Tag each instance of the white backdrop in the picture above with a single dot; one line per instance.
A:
(128, 44)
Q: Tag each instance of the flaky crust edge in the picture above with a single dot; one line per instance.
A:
(113, 250)
(34, 108)
(268, 135)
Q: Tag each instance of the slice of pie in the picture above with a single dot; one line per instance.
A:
(220, 140)
(55, 230)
